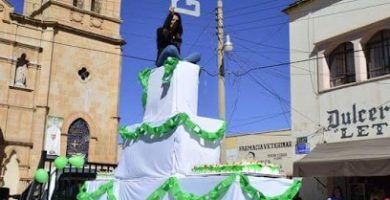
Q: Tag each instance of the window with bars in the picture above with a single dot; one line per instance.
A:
(96, 6)
(377, 52)
(78, 138)
(342, 65)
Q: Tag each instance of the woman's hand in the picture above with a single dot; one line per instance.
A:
(172, 9)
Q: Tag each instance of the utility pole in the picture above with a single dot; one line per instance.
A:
(221, 68)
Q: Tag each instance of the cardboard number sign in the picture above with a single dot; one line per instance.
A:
(195, 12)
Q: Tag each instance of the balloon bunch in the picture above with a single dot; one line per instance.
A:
(42, 175)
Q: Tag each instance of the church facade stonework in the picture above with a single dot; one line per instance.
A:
(60, 59)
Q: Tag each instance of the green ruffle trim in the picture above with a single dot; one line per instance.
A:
(143, 77)
(169, 67)
(106, 188)
(235, 168)
(169, 126)
(173, 187)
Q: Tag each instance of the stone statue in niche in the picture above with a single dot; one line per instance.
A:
(21, 71)
(78, 3)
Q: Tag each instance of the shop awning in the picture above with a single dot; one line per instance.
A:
(353, 158)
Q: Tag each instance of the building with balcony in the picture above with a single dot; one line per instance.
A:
(340, 78)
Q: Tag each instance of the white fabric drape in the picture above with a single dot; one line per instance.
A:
(140, 189)
(181, 95)
(178, 152)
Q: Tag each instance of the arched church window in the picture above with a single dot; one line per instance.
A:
(21, 71)
(377, 51)
(342, 65)
(78, 138)
(78, 3)
(96, 6)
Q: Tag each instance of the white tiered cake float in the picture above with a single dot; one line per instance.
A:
(174, 154)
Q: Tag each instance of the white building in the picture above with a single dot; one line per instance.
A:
(340, 95)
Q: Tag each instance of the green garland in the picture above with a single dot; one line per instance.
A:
(105, 188)
(143, 77)
(169, 67)
(169, 126)
(172, 186)
(235, 168)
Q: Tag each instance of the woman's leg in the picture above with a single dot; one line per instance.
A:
(193, 58)
(169, 51)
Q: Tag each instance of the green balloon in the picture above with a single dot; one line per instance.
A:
(60, 162)
(77, 161)
(41, 176)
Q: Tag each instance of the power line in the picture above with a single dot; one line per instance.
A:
(279, 74)
(287, 103)
(271, 46)
(254, 21)
(200, 34)
(281, 16)
(235, 103)
(293, 66)
(315, 17)
(235, 73)
(257, 117)
(268, 89)
(256, 11)
(259, 120)
(152, 60)
(246, 72)
(249, 6)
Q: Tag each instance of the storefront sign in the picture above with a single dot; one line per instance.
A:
(275, 152)
(359, 122)
(274, 147)
(265, 146)
(302, 147)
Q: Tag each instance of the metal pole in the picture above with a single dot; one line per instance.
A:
(221, 68)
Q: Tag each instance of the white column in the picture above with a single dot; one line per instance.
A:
(323, 72)
(360, 61)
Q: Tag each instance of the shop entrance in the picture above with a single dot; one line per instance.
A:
(362, 188)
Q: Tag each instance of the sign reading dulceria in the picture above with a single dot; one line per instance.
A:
(359, 122)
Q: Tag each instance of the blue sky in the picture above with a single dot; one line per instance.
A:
(255, 102)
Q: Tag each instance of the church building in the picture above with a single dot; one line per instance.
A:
(60, 67)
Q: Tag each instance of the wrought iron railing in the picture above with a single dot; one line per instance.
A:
(64, 183)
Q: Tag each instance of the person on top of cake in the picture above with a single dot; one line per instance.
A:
(169, 39)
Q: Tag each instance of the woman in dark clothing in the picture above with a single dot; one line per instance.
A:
(337, 194)
(169, 39)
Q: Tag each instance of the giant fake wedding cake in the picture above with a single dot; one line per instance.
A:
(175, 154)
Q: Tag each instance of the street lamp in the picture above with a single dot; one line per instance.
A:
(228, 46)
